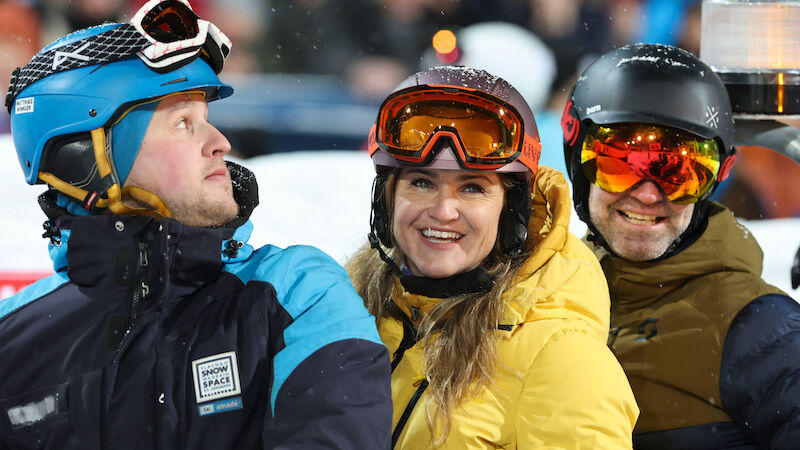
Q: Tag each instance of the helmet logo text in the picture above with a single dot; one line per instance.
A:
(712, 116)
(569, 124)
(593, 109)
(60, 57)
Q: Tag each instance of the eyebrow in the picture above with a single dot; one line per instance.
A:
(183, 104)
(474, 177)
(464, 176)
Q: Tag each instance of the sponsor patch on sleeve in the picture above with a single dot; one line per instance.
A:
(216, 376)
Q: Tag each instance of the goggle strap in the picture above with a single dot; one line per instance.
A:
(372, 140)
(109, 46)
(531, 152)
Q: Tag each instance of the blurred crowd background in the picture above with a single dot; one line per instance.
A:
(310, 74)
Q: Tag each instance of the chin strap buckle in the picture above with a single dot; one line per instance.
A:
(375, 243)
(52, 232)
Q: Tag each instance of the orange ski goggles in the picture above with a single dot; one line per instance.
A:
(485, 131)
(617, 157)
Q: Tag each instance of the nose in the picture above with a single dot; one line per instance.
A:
(216, 144)
(647, 192)
(445, 207)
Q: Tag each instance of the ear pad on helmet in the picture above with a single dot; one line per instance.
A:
(71, 159)
(379, 218)
(513, 227)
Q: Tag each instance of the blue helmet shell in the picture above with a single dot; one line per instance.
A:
(91, 97)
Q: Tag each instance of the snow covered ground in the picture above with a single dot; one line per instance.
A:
(315, 198)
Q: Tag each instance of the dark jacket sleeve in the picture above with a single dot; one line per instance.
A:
(760, 373)
(331, 380)
(339, 397)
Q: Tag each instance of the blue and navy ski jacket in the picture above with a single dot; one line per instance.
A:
(157, 335)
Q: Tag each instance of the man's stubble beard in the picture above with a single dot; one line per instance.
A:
(204, 211)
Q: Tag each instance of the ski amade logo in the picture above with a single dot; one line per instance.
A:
(216, 376)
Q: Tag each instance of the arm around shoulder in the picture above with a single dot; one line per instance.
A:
(576, 396)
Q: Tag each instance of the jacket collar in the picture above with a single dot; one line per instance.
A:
(91, 247)
(548, 230)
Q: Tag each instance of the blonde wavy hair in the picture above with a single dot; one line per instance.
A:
(459, 334)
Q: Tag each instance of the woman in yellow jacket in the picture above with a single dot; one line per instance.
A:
(496, 316)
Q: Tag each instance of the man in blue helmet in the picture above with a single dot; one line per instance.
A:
(709, 347)
(162, 328)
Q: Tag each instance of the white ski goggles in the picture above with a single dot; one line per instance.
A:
(177, 36)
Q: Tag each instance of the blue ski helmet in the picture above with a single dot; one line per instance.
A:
(61, 117)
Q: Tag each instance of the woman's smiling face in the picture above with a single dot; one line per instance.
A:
(445, 221)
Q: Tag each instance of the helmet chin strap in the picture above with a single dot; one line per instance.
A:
(112, 196)
(473, 281)
(154, 205)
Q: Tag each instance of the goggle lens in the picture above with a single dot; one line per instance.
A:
(617, 157)
(481, 132)
(170, 21)
(487, 132)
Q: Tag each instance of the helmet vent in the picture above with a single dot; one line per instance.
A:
(178, 80)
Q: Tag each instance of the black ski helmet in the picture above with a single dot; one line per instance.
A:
(650, 84)
(512, 231)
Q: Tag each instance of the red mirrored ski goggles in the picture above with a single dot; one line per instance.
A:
(617, 157)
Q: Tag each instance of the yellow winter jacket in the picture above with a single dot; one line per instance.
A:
(557, 385)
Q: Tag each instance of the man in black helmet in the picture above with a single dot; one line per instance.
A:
(710, 348)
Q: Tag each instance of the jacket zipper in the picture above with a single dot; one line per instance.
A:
(410, 338)
(141, 290)
(408, 341)
(407, 413)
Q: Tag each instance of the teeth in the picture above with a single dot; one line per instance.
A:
(640, 219)
(430, 233)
